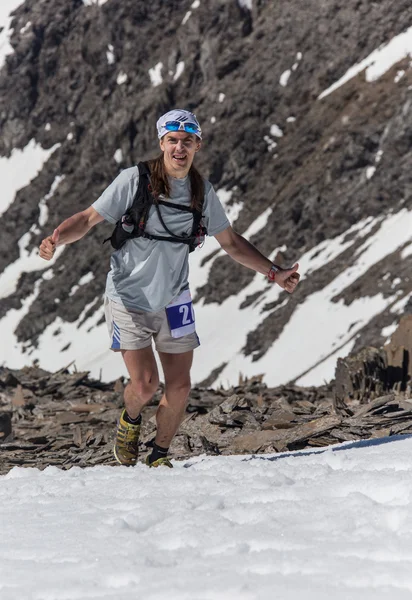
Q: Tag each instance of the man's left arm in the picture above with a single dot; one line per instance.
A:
(243, 252)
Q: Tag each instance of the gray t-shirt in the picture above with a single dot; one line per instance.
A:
(148, 274)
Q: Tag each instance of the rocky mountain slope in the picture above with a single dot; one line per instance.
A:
(89, 79)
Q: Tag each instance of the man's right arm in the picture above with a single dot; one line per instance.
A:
(71, 230)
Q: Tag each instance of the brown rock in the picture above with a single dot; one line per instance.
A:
(359, 379)
(65, 418)
(253, 442)
(279, 419)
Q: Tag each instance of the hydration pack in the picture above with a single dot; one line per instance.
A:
(133, 223)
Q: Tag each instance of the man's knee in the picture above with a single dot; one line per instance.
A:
(143, 390)
(181, 388)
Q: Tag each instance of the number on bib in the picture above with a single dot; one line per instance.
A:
(181, 316)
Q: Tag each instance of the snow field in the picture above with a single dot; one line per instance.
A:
(321, 524)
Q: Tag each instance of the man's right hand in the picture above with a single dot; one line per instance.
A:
(48, 246)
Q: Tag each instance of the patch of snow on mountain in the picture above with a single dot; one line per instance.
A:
(29, 261)
(245, 4)
(6, 8)
(121, 78)
(26, 28)
(82, 281)
(270, 143)
(284, 78)
(180, 67)
(398, 307)
(155, 74)
(389, 330)
(110, 55)
(399, 75)
(407, 251)
(95, 2)
(10, 351)
(118, 156)
(316, 327)
(186, 17)
(276, 131)
(370, 172)
(378, 62)
(89, 345)
(17, 171)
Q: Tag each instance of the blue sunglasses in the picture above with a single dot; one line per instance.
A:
(178, 126)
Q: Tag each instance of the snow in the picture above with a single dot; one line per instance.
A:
(180, 67)
(233, 210)
(406, 252)
(387, 331)
(96, 2)
(17, 171)
(155, 74)
(118, 156)
(6, 8)
(186, 17)
(221, 97)
(82, 281)
(245, 4)
(271, 144)
(315, 524)
(284, 78)
(318, 328)
(121, 78)
(213, 119)
(378, 62)
(291, 119)
(399, 306)
(25, 29)
(370, 171)
(399, 75)
(27, 261)
(276, 131)
(110, 55)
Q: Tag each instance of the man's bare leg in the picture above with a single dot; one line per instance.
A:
(144, 379)
(176, 369)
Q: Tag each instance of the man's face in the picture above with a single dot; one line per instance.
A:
(179, 149)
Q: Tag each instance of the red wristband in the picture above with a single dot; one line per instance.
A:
(272, 272)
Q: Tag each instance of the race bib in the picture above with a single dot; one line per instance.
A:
(181, 316)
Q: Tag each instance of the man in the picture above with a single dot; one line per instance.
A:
(147, 290)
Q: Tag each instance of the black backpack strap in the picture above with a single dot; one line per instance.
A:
(176, 206)
(143, 199)
(177, 238)
(165, 238)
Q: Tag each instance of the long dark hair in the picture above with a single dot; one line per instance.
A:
(160, 182)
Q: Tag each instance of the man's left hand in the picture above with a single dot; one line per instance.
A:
(288, 279)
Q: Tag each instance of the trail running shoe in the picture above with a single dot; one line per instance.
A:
(126, 447)
(160, 462)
